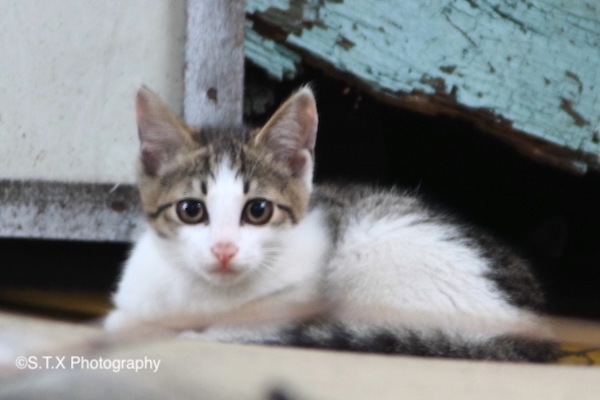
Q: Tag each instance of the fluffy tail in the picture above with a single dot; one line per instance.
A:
(334, 336)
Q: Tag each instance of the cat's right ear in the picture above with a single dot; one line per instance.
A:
(291, 132)
(160, 132)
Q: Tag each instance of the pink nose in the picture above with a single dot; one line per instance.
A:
(224, 252)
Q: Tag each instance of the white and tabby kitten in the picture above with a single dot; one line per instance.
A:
(235, 225)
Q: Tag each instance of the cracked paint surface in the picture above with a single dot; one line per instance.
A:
(532, 63)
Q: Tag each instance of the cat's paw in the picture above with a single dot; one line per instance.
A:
(238, 334)
(195, 335)
(212, 335)
(118, 321)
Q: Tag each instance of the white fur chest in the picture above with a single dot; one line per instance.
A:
(154, 285)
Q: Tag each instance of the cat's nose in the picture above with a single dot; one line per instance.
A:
(224, 251)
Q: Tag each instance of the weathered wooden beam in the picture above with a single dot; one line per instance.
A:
(214, 62)
(525, 70)
(66, 210)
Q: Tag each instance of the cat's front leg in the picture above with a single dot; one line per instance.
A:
(118, 321)
(237, 334)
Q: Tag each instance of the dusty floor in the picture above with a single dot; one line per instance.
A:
(44, 358)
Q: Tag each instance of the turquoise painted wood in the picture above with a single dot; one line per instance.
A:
(527, 70)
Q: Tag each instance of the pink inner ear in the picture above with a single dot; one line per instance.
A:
(141, 103)
(308, 120)
(150, 159)
(297, 163)
(139, 108)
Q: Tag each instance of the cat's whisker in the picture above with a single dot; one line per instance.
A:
(268, 265)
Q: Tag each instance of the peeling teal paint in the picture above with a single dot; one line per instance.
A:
(278, 61)
(259, 6)
(534, 63)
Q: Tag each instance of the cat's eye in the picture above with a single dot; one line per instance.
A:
(257, 211)
(191, 211)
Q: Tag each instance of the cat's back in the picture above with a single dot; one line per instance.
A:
(360, 207)
(349, 203)
(394, 239)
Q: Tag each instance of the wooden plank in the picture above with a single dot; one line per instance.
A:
(214, 59)
(77, 211)
(76, 304)
(276, 59)
(526, 71)
(188, 369)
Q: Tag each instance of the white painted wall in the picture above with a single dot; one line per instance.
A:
(69, 70)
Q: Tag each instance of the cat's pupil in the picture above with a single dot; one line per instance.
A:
(192, 209)
(257, 209)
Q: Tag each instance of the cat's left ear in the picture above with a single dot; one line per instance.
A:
(292, 131)
(161, 133)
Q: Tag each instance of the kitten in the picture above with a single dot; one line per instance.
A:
(236, 228)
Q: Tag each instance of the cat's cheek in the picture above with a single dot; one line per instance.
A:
(193, 250)
(261, 247)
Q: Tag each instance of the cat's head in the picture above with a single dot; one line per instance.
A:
(222, 199)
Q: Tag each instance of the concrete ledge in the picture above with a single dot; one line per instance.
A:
(77, 211)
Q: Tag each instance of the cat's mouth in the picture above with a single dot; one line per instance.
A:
(224, 270)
